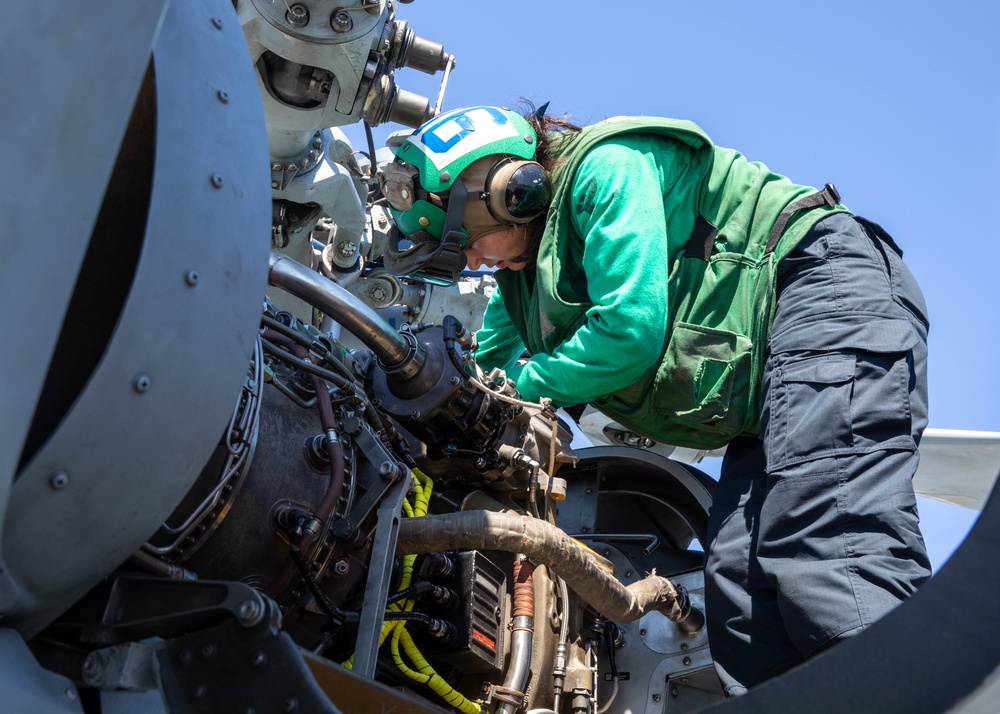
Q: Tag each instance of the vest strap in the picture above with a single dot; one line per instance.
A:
(702, 240)
(828, 196)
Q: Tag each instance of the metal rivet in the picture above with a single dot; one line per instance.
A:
(217, 180)
(70, 693)
(642, 633)
(424, 221)
(259, 659)
(528, 138)
(656, 697)
(199, 691)
(686, 661)
(141, 383)
(223, 96)
(59, 480)
(446, 176)
(217, 23)
(192, 277)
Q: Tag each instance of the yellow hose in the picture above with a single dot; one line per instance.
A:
(424, 672)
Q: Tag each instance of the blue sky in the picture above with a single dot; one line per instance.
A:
(896, 103)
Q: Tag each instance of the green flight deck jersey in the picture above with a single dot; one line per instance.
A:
(654, 289)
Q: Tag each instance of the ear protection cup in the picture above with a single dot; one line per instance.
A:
(517, 191)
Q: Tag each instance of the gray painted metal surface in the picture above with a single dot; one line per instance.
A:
(162, 394)
(59, 143)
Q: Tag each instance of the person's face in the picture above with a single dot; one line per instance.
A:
(498, 250)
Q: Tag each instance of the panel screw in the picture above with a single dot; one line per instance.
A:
(223, 96)
(141, 383)
(290, 705)
(686, 661)
(217, 23)
(656, 697)
(216, 180)
(259, 659)
(192, 278)
(59, 480)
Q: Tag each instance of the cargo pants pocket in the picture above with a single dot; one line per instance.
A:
(849, 402)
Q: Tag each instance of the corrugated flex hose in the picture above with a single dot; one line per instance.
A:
(545, 543)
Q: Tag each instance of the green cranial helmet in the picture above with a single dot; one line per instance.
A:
(436, 211)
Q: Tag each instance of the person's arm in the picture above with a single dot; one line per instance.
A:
(499, 343)
(619, 210)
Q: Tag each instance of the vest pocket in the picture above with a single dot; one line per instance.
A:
(704, 379)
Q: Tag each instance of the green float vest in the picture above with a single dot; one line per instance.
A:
(706, 387)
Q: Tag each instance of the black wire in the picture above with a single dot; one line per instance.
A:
(279, 326)
(372, 164)
(307, 366)
(334, 613)
(414, 589)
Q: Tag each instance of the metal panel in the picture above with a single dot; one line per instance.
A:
(162, 394)
(63, 119)
(27, 688)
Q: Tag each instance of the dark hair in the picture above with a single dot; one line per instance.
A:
(550, 131)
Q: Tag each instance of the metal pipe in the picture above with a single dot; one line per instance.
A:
(397, 354)
(522, 633)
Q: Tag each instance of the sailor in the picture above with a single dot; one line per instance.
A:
(700, 300)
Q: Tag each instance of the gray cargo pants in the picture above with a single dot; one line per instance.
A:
(813, 532)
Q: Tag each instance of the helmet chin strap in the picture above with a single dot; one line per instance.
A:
(445, 262)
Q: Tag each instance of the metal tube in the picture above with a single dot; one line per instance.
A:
(522, 635)
(396, 353)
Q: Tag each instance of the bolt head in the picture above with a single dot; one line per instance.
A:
(297, 15)
(341, 21)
